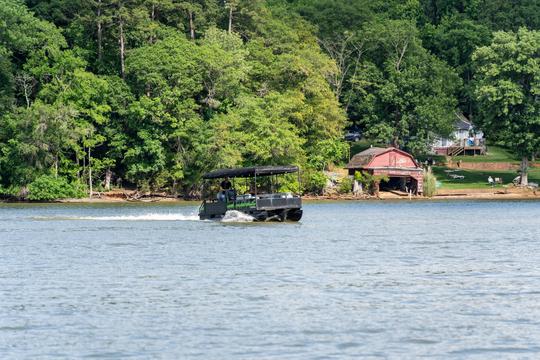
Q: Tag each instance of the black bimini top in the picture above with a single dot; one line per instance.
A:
(251, 172)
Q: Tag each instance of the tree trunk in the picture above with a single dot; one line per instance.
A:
(524, 171)
(26, 83)
(108, 177)
(377, 188)
(99, 33)
(230, 19)
(90, 172)
(148, 90)
(153, 18)
(401, 54)
(121, 40)
(56, 165)
(191, 25)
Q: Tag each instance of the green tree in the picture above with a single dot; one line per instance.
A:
(256, 133)
(508, 75)
(166, 131)
(33, 141)
(404, 96)
(453, 40)
(224, 67)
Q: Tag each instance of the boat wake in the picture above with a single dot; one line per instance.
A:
(232, 216)
(142, 217)
(237, 216)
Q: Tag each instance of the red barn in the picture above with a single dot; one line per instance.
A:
(403, 171)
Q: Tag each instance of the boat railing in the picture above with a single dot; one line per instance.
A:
(259, 201)
(278, 200)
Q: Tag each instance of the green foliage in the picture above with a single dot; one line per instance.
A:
(345, 185)
(430, 184)
(11, 192)
(454, 40)
(508, 85)
(258, 133)
(313, 182)
(407, 99)
(289, 183)
(47, 188)
(157, 92)
(368, 181)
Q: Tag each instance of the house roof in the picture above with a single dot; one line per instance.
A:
(462, 123)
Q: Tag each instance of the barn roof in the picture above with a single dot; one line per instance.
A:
(362, 159)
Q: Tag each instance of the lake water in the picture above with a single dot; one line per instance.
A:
(352, 280)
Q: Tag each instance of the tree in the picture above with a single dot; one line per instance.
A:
(256, 133)
(35, 140)
(166, 133)
(404, 96)
(200, 14)
(224, 66)
(508, 90)
(453, 40)
(231, 6)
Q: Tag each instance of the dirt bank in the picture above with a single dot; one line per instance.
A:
(461, 194)
(515, 193)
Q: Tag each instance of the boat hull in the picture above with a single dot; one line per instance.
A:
(278, 215)
(266, 207)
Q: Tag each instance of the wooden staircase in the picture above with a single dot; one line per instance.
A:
(456, 150)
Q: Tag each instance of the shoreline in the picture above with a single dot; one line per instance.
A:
(446, 195)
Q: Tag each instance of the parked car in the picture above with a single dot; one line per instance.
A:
(352, 136)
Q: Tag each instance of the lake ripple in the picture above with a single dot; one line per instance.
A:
(352, 280)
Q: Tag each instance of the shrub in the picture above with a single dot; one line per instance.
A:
(46, 188)
(289, 183)
(345, 185)
(370, 182)
(11, 192)
(430, 183)
(313, 182)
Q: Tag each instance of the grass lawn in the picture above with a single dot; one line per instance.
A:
(494, 154)
(477, 179)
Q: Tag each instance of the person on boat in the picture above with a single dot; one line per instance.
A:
(252, 188)
(226, 184)
(227, 192)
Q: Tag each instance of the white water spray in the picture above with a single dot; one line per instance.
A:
(142, 217)
(237, 216)
(231, 216)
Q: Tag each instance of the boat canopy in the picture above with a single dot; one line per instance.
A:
(251, 172)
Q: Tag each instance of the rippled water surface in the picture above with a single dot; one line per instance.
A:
(352, 280)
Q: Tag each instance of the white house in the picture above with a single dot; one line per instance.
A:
(464, 140)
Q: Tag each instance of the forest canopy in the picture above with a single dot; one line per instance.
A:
(153, 93)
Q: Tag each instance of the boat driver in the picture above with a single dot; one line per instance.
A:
(226, 192)
(226, 184)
